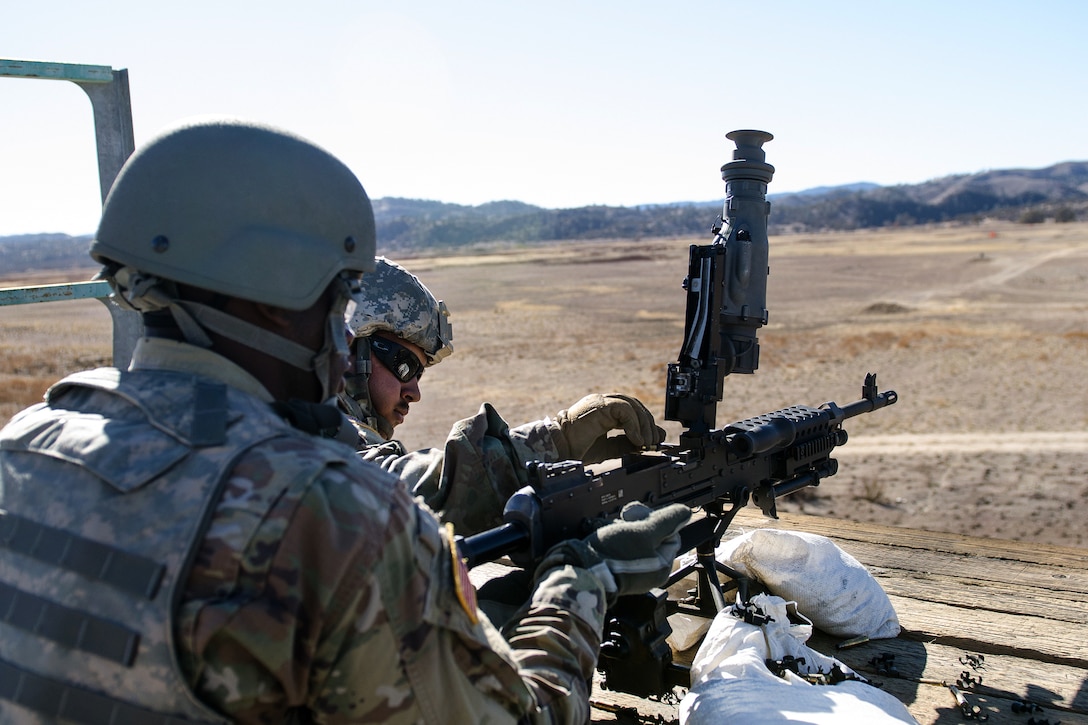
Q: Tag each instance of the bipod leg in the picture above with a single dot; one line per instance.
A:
(708, 597)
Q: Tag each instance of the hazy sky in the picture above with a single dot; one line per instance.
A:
(558, 103)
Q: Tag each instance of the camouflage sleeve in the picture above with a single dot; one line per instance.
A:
(535, 442)
(346, 604)
(481, 465)
(556, 637)
(539, 671)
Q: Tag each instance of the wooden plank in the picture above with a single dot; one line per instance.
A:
(930, 541)
(971, 567)
(969, 595)
(609, 706)
(1022, 608)
(990, 632)
(935, 705)
(1060, 690)
(963, 578)
(973, 582)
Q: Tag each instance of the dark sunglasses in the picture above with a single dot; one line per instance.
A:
(399, 360)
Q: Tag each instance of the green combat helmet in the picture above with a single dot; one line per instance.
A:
(240, 209)
(393, 300)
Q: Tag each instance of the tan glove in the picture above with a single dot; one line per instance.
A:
(582, 432)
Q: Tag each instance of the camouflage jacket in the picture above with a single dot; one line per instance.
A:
(318, 590)
(469, 479)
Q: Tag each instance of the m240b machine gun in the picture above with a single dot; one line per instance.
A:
(717, 470)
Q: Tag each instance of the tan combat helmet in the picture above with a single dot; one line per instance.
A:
(241, 209)
(392, 300)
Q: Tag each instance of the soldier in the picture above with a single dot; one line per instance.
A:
(400, 329)
(173, 548)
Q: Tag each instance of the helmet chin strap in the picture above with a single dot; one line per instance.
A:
(356, 397)
(136, 290)
(361, 412)
(258, 338)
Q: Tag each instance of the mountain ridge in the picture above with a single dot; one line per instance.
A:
(1058, 192)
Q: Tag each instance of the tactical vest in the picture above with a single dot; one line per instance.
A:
(106, 491)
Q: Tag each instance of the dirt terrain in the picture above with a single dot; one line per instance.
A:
(981, 330)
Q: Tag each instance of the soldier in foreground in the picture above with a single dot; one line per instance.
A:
(170, 544)
(400, 329)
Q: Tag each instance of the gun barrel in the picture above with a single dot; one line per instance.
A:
(869, 404)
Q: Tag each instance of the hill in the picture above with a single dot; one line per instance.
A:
(1059, 191)
(44, 252)
(414, 226)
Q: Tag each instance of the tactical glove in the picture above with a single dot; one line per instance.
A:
(630, 555)
(640, 546)
(582, 430)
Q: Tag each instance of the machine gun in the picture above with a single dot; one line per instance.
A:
(717, 470)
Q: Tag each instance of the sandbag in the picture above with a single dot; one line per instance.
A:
(831, 588)
(732, 683)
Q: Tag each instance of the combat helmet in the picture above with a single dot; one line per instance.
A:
(241, 209)
(391, 299)
(238, 208)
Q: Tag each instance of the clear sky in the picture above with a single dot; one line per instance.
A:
(561, 103)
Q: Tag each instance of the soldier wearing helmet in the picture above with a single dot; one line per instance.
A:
(400, 329)
(182, 541)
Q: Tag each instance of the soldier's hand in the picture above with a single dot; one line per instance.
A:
(583, 428)
(639, 547)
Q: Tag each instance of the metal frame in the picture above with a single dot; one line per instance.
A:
(111, 104)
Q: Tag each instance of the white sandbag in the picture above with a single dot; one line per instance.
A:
(778, 638)
(731, 682)
(687, 631)
(830, 587)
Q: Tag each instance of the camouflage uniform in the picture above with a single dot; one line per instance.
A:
(392, 300)
(482, 462)
(468, 480)
(318, 589)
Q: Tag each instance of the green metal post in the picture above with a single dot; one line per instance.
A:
(112, 108)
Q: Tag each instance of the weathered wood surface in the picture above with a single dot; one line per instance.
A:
(1018, 610)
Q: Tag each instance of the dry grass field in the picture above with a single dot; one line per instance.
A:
(983, 332)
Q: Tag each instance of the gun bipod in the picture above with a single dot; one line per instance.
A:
(703, 536)
(708, 596)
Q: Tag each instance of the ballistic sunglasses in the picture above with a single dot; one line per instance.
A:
(399, 360)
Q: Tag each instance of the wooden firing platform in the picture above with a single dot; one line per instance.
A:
(1023, 607)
